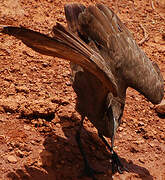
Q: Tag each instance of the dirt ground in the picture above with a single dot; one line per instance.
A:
(38, 120)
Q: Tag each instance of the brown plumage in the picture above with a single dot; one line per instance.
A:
(105, 61)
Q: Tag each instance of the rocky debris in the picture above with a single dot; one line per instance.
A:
(12, 159)
(134, 149)
(26, 148)
(161, 49)
(20, 153)
(23, 89)
(139, 141)
(27, 127)
(142, 160)
(163, 36)
(7, 105)
(42, 108)
(120, 129)
(159, 39)
(46, 64)
(160, 108)
(140, 123)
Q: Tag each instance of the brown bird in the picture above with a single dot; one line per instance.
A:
(105, 61)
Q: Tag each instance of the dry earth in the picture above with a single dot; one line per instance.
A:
(37, 116)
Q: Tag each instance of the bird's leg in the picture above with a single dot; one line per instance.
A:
(116, 163)
(88, 170)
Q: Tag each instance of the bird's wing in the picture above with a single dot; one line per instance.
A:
(68, 46)
(119, 49)
(72, 11)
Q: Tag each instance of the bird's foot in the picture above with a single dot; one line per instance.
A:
(90, 172)
(117, 165)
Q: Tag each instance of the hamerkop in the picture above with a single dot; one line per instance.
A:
(105, 61)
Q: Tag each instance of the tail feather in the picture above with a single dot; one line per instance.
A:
(98, 34)
(71, 40)
(72, 12)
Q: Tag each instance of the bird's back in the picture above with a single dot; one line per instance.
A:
(100, 28)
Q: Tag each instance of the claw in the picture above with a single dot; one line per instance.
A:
(116, 164)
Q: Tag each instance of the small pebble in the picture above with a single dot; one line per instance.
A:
(26, 127)
(19, 153)
(12, 159)
(140, 141)
(58, 125)
(140, 123)
(33, 142)
(141, 160)
(120, 128)
(160, 108)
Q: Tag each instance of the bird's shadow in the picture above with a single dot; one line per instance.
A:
(67, 162)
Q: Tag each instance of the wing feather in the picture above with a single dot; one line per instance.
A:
(119, 49)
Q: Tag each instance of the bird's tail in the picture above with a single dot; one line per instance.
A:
(66, 45)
